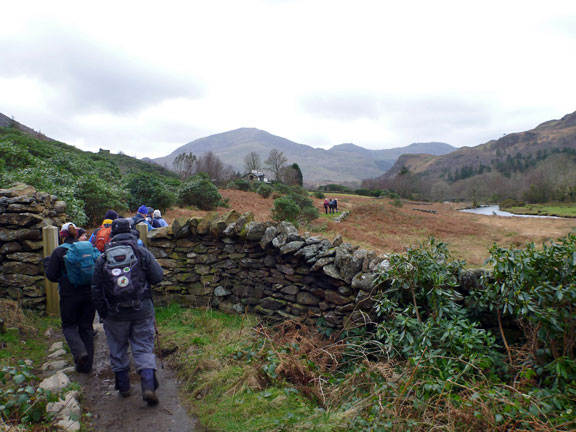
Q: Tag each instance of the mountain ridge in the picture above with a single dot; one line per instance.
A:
(342, 163)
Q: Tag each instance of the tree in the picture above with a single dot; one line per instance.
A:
(199, 191)
(184, 165)
(252, 162)
(289, 176)
(148, 190)
(275, 162)
(216, 170)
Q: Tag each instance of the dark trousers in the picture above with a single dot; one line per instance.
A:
(77, 314)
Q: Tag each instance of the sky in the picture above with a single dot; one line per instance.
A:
(145, 78)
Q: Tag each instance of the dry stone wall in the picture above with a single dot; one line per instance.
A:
(235, 264)
(23, 214)
(228, 262)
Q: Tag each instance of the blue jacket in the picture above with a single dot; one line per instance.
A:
(140, 219)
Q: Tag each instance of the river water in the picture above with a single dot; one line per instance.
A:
(494, 210)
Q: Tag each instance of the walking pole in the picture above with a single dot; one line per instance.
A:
(159, 347)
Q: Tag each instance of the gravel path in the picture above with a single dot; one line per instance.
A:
(112, 413)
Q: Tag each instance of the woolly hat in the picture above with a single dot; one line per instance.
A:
(111, 214)
(68, 230)
(143, 209)
(157, 214)
(121, 225)
(149, 210)
(67, 226)
(81, 231)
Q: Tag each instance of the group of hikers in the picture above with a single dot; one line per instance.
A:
(111, 273)
(330, 205)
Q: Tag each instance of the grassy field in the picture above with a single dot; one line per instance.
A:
(380, 225)
(567, 210)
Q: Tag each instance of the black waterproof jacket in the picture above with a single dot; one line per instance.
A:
(55, 270)
(153, 275)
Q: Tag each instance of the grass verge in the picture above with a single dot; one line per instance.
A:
(240, 375)
(548, 209)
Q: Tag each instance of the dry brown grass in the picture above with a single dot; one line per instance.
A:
(377, 225)
(12, 315)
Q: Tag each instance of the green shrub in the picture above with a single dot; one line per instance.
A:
(537, 288)
(240, 184)
(319, 195)
(507, 203)
(264, 190)
(423, 317)
(308, 214)
(396, 203)
(148, 190)
(285, 209)
(199, 191)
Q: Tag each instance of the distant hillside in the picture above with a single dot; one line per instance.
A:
(345, 163)
(543, 157)
(8, 122)
(90, 183)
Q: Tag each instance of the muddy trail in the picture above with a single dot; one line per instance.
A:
(112, 413)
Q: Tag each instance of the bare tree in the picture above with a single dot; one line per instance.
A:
(252, 162)
(211, 164)
(184, 164)
(275, 162)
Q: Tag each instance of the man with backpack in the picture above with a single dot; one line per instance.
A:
(72, 265)
(121, 288)
(101, 236)
(141, 217)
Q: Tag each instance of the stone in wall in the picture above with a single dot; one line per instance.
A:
(23, 213)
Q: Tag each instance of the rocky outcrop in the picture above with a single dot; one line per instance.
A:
(23, 214)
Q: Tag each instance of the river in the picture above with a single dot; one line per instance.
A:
(494, 210)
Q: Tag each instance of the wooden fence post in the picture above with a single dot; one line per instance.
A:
(143, 229)
(50, 242)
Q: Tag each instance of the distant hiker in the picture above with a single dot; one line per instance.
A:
(335, 205)
(326, 204)
(141, 217)
(101, 236)
(122, 293)
(72, 265)
(331, 205)
(157, 220)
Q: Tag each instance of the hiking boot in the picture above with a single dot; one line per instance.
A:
(123, 383)
(83, 363)
(149, 385)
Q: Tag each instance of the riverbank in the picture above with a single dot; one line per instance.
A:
(565, 210)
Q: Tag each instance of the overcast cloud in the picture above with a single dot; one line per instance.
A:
(145, 78)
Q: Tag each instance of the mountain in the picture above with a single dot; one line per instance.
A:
(345, 163)
(543, 157)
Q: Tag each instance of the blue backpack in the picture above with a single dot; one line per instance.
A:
(79, 260)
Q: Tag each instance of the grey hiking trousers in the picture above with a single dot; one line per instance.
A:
(139, 335)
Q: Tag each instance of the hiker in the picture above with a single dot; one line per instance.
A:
(101, 236)
(141, 217)
(121, 288)
(76, 306)
(326, 203)
(335, 205)
(157, 220)
(82, 234)
(331, 205)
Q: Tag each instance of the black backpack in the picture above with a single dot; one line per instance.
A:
(124, 269)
